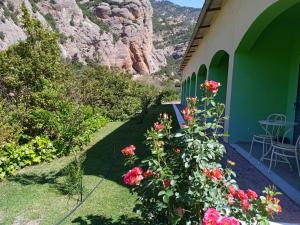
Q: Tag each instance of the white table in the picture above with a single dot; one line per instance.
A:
(278, 123)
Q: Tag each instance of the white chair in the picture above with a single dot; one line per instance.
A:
(271, 133)
(282, 152)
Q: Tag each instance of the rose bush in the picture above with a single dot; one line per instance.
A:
(183, 181)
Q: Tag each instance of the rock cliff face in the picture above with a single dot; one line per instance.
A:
(117, 33)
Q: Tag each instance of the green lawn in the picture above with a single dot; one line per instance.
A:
(33, 195)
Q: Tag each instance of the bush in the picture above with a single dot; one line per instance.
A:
(170, 94)
(113, 92)
(14, 157)
(183, 181)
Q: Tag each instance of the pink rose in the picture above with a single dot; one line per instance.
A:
(133, 176)
(230, 199)
(232, 190)
(211, 217)
(128, 151)
(242, 195)
(245, 204)
(158, 126)
(229, 221)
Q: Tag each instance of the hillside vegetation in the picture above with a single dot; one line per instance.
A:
(49, 108)
(173, 26)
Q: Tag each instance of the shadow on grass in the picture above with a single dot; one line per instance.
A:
(106, 155)
(31, 178)
(100, 220)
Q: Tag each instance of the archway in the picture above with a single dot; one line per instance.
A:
(218, 71)
(193, 85)
(201, 77)
(266, 70)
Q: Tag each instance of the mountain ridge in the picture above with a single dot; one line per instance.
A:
(138, 36)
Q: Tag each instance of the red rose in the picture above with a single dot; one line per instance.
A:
(206, 172)
(158, 126)
(166, 183)
(177, 150)
(211, 217)
(133, 176)
(216, 174)
(186, 111)
(232, 190)
(245, 204)
(212, 86)
(229, 221)
(252, 194)
(187, 117)
(128, 151)
(230, 199)
(148, 173)
(242, 195)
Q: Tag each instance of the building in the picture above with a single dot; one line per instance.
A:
(253, 48)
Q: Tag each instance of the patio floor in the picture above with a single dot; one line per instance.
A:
(282, 169)
(249, 176)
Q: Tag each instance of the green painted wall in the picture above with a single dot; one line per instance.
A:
(201, 77)
(188, 86)
(193, 85)
(183, 92)
(265, 78)
(218, 71)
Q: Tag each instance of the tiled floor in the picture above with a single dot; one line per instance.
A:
(249, 177)
(282, 169)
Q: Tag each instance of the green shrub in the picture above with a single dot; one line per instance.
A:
(73, 180)
(51, 21)
(113, 92)
(14, 156)
(170, 94)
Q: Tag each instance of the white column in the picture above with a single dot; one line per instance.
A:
(229, 93)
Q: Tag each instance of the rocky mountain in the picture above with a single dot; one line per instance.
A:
(173, 26)
(117, 33)
(127, 34)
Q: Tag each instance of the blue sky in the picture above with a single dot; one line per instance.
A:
(192, 3)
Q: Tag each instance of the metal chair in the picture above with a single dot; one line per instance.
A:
(281, 152)
(271, 133)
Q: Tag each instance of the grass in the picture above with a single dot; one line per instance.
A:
(35, 193)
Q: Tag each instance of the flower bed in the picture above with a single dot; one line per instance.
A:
(183, 182)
